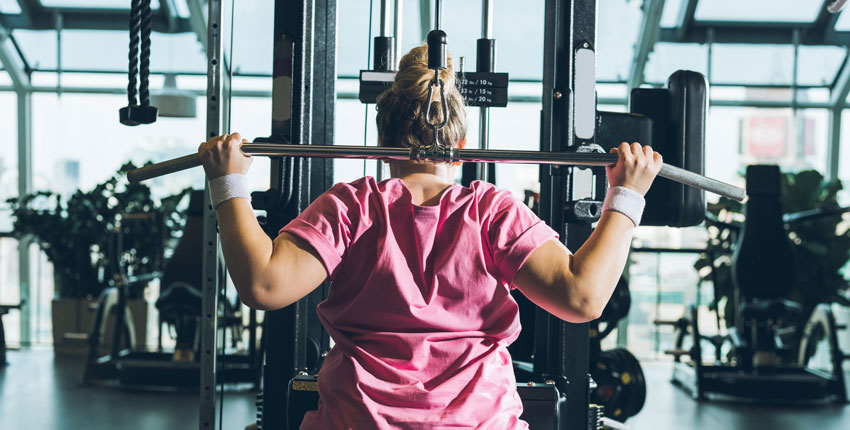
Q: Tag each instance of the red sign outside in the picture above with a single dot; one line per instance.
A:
(765, 136)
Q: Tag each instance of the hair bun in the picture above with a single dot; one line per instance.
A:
(414, 78)
(400, 118)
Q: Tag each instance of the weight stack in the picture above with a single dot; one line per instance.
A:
(259, 404)
(594, 416)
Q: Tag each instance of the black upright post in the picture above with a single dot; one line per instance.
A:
(561, 349)
(322, 123)
(291, 114)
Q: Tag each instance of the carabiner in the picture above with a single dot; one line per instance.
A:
(443, 105)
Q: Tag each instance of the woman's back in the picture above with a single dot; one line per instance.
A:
(419, 305)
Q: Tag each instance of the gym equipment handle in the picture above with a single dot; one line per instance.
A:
(441, 154)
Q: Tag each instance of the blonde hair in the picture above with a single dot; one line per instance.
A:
(401, 109)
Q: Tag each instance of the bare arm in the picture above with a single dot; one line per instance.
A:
(268, 275)
(577, 287)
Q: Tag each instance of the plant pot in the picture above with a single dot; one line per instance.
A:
(72, 323)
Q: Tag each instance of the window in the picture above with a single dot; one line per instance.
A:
(8, 154)
(667, 58)
(738, 136)
(105, 4)
(618, 25)
(758, 10)
(9, 283)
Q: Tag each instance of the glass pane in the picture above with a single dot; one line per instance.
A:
(10, 289)
(667, 58)
(39, 47)
(253, 37)
(351, 119)
(774, 94)
(752, 64)
(516, 127)
(183, 8)
(774, 64)
(843, 23)
(618, 23)
(68, 155)
(10, 7)
(105, 4)
(661, 286)
(819, 65)
(519, 37)
(8, 155)
(41, 295)
(17, 64)
(354, 40)
(175, 52)
(758, 10)
(607, 93)
(251, 117)
(737, 137)
(670, 15)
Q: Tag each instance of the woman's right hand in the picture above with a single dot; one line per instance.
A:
(222, 156)
(636, 167)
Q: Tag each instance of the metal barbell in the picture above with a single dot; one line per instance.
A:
(441, 154)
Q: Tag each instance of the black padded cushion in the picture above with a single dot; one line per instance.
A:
(772, 309)
(678, 133)
(180, 299)
(185, 265)
(763, 264)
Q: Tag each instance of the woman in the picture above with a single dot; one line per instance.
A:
(421, 269)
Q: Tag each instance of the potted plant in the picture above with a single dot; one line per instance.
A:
(91, 238)
(821, 245)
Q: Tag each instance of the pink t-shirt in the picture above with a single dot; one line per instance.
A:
(419, 305)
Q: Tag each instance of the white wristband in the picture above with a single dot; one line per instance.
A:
(625, 201)
(224, 188)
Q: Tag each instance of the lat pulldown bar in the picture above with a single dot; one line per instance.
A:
(442, 154)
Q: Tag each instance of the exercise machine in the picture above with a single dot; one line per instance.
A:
(761, 364)
(574, 135)
(127, 363)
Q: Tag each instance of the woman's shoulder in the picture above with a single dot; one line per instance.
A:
(489, 193)
(363, 188)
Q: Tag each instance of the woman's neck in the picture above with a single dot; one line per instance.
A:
(425, 181)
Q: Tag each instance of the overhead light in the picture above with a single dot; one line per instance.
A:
(173, 102)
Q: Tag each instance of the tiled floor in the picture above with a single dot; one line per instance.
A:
(40, 392)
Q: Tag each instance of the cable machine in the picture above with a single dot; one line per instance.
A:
(304, 73)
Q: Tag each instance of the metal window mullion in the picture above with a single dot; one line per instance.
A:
(648, 35)
(834, 145)
(210, 267)
(425, 24)
(25, 187)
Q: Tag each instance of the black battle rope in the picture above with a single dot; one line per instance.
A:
(366, 107)
(138, 110)
(133, 56)
(229, 64)
(145, 61)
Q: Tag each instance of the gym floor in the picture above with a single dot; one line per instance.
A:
(39, 391)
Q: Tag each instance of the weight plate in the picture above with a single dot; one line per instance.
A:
(633, 377)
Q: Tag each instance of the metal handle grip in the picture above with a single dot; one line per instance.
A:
(164, 168)
(702, 182)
